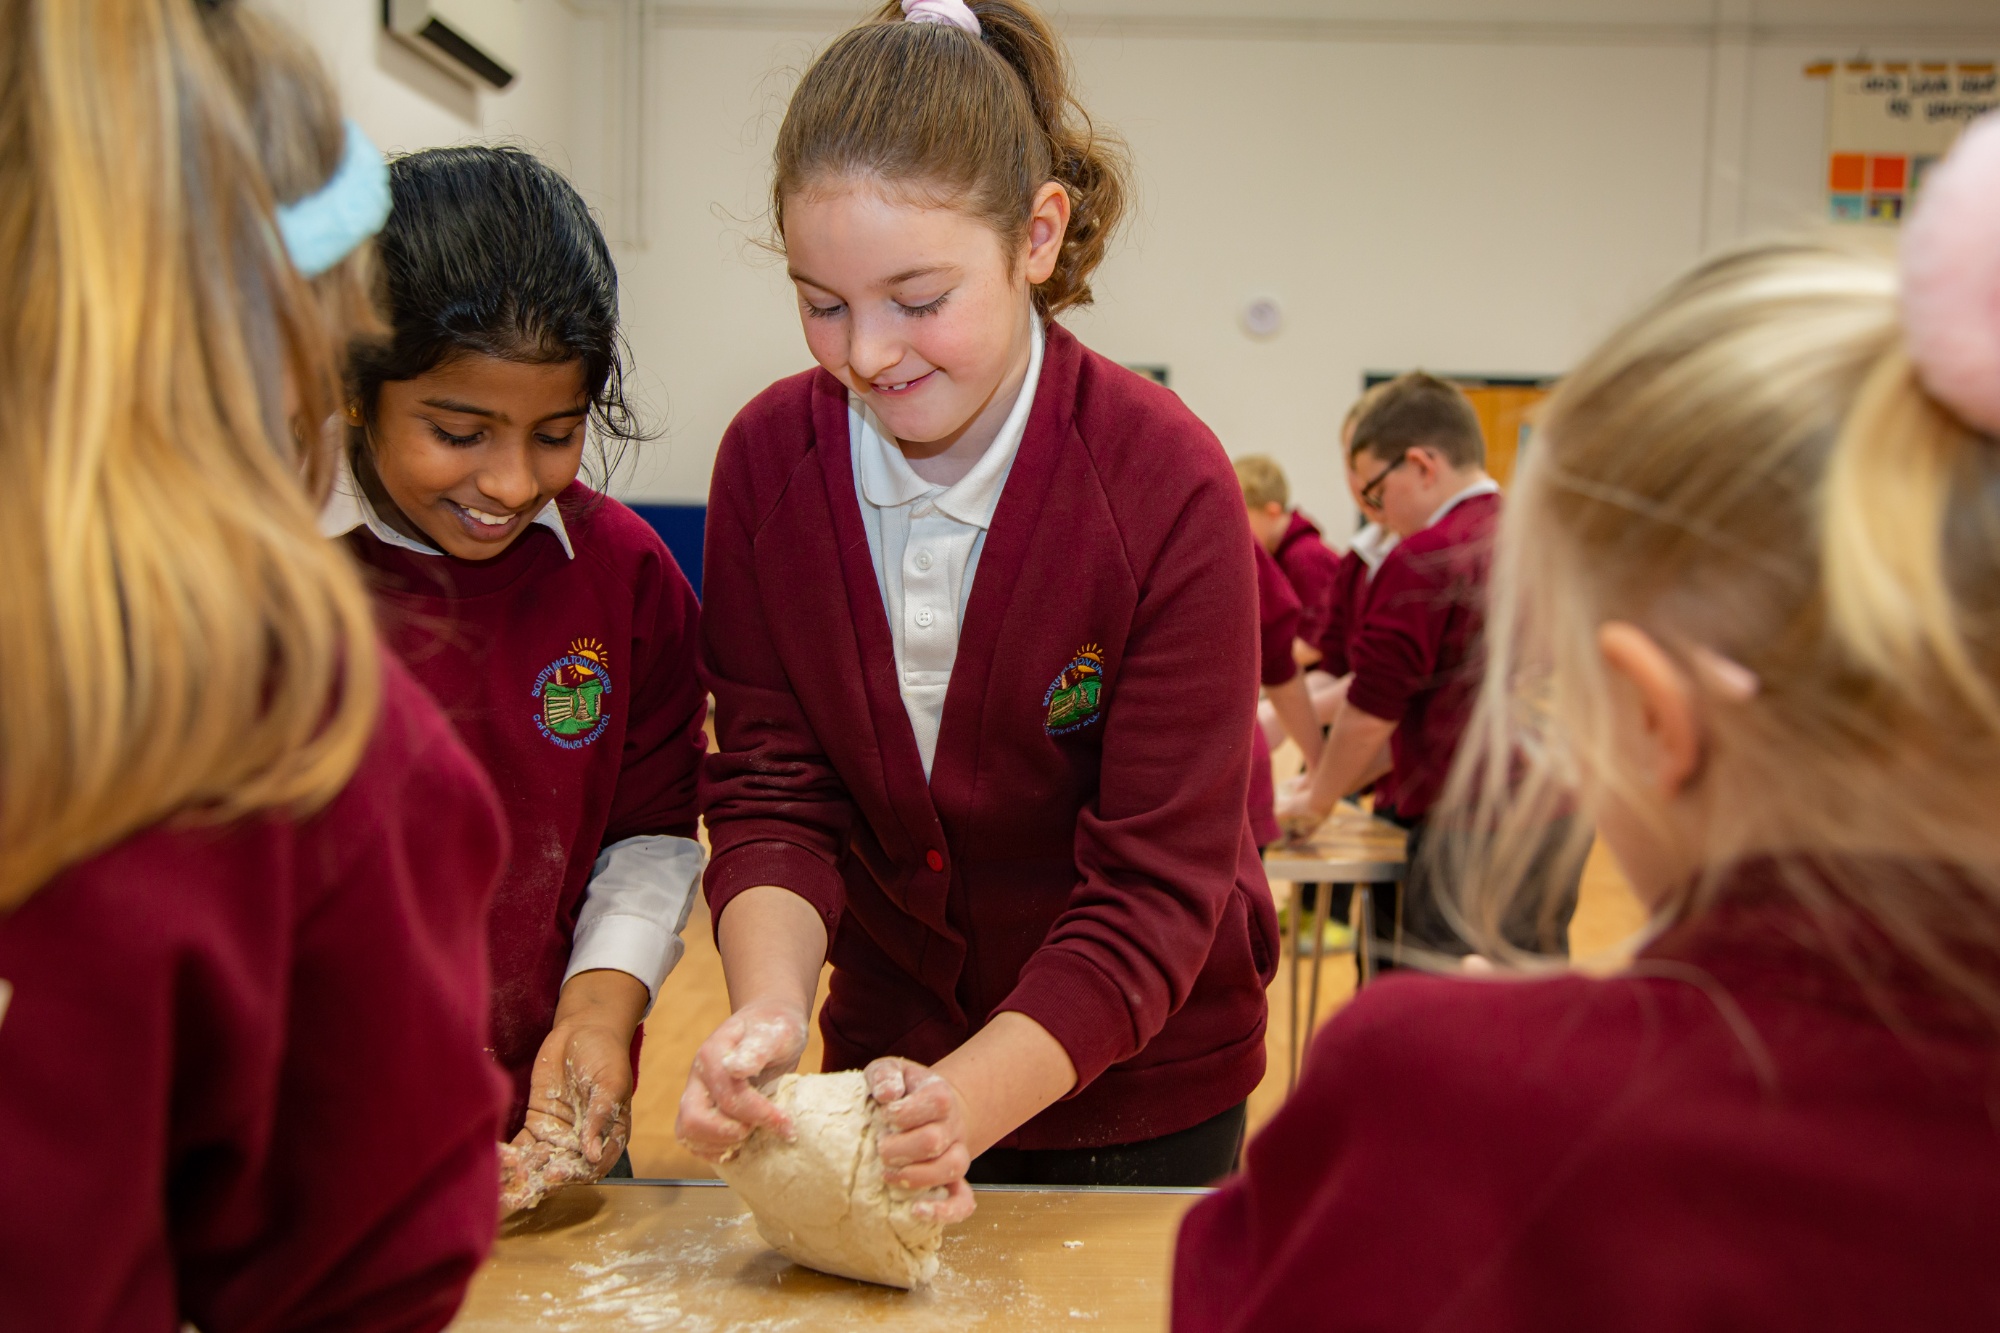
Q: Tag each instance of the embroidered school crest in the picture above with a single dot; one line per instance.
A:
(572, 690)
(1076, 696)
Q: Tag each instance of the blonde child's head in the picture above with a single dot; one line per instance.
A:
(1747, 602)
(1266, 495)
(176, 637)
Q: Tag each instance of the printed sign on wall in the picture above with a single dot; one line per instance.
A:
(1888, 122)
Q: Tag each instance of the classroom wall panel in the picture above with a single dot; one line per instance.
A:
(1468, 185)
(1489, 204)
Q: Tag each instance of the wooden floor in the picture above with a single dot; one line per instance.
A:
(694, 1000)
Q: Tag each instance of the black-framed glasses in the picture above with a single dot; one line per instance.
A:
(1371, 494)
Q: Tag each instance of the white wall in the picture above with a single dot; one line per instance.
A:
(404, 102)
(1466, 198)
(1467, 185)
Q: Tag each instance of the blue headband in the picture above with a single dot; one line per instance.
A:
(323, 228)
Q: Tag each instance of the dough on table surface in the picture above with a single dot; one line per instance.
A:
(822, 1201)
(529, 1175)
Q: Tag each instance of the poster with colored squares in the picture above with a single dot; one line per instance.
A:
(1888, 122)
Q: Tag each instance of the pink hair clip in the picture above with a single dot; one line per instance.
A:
(1726, 676)
(955, 13)
(1951, 278)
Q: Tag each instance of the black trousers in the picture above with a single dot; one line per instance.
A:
(1417, 903)
(1201, 1155)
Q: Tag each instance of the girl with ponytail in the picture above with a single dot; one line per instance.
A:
(244, 862)
(1746, 616)
(980, 622)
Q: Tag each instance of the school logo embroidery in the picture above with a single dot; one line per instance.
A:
(1077, 695)
(572, 690)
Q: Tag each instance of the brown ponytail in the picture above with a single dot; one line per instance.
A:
(981, 123)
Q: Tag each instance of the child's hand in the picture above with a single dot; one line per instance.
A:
(1296, 815)
(926, 1149)
(721, 1105)
(530, 1168)
(580, 1094)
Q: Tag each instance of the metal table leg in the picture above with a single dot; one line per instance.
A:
(1323, 892)
(1292, 931)
(1363, 914)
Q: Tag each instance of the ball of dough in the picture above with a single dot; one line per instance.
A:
(822, 1201)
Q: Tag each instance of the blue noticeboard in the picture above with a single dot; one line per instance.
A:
(680, 526)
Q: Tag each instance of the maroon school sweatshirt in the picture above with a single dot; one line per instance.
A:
(1080, 853)
(1346, 598)
(1727, 1135)
(1415, 651)
(241, 1073)
(1278, 621)
(574, 682)
(1311, 567)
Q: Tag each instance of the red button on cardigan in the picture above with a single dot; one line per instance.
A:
(934, 859)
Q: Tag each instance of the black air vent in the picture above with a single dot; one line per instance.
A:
(465, 53)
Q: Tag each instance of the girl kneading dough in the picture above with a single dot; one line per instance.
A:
(980, 620)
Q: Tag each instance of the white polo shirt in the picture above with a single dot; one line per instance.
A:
(925, 540)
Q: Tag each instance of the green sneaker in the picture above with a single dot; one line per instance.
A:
(1334, 937)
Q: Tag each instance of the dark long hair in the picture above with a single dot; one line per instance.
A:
(489, 250)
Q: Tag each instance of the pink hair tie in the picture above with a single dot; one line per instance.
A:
(953, 12)
(1951, 278)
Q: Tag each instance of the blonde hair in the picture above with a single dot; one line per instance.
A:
(982, 122)
(1751, 472)
(1263, 481)
(176, 638)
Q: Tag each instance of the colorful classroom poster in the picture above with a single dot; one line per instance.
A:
(1888, 122)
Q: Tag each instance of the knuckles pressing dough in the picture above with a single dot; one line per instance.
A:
(822, 1201)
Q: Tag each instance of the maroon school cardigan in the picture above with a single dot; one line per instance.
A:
(1080, 854)
(1346, 597)
(1725, 1136)
(1278, 620)
(500, 643)
(241, 1075)
(1311, 567)
(1415, 651)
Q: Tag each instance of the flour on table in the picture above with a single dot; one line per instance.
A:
(822, 1201)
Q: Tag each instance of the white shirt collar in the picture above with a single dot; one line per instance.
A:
(1484, 486)
(1373, 544)
(348, 508)
(889, 482)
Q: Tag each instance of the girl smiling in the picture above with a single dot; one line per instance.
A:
(981, 626)
(549, 621)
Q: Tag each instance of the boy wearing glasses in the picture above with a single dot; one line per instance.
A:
(1420, 459)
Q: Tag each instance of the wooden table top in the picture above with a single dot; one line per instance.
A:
(683, 1255)
(1351, 847)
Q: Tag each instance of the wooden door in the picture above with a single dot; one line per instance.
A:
(1506, 414)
